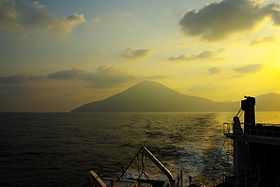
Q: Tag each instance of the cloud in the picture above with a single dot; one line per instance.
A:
(68, 74)
(18, 79)
(179, 58)
(219, 20)
(251, 68)
(102, 77)
(136, 53)
(268, 39)
(215, 70)
(65, 26)
(202, 55)
(32, 16)
(97, 19)
(14, 79)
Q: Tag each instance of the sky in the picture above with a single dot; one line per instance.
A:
(58, 55)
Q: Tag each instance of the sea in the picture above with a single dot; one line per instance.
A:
(58, 149)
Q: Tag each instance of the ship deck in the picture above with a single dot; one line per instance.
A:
(255, 138)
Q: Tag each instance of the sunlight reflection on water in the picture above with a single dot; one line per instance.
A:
(59, 148)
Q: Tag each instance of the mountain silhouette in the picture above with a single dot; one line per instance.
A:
(149, 96)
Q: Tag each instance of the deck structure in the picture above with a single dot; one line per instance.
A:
(256, 149)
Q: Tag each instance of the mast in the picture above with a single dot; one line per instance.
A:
(248, 106)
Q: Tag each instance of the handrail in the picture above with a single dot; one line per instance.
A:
(144, 150)
(260, 129)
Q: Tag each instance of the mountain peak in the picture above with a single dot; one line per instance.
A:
(148, 83)
(151, 96)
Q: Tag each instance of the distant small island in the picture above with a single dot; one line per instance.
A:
(150, 96)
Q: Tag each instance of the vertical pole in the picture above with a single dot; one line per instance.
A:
(248, 106)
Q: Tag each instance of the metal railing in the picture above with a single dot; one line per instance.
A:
(228, 128)
(143, 152)
(259, 129)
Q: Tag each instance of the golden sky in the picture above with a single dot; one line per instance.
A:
(58, 55)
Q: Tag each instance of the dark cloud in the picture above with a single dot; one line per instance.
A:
(251, 68)
(106, 77)
(136, 53)
(31, 15)
(218, 20)
(67, 74)
(103, 77)
(268, 39)
(214, 70)
(18, 79)
(14, 79)
(178, 58)
(202, 55)
(66, 25)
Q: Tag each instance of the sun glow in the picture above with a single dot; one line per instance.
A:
(278, 63)
(96, 49)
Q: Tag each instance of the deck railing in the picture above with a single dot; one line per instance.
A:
(259, 129)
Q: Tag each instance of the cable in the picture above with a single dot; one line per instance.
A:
(219, 153)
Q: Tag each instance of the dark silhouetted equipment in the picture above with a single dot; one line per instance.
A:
(256, 154)
(256, 149)
(95, 181)
(248, 106)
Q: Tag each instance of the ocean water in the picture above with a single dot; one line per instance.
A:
(58, 149)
